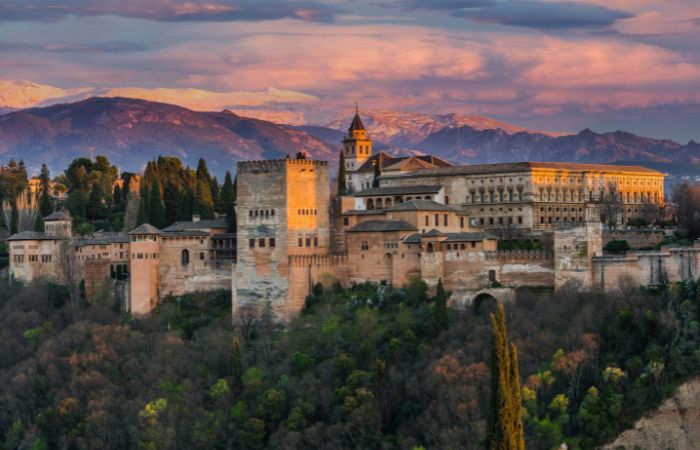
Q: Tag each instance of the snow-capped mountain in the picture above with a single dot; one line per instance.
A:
(407, 129)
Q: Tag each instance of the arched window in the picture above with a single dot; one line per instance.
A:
(185, 257)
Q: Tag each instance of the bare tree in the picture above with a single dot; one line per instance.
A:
(611, 207)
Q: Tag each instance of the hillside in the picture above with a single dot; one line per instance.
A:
(364, 368)
(130, 131)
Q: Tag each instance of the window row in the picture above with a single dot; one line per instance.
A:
(302, 241)
(307, 212)
(262, 242)
(500, 220)
(261, 213)
(495, 196)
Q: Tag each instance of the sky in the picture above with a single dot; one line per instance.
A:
(555, 65)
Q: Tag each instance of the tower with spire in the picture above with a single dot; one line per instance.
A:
(357, 146)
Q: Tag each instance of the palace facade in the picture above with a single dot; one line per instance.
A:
(400, 218)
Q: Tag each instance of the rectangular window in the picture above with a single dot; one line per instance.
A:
(201, 256)
(461, 222)
(261, 242)
(427, 220)
(520, 220)
(301, 242)
(308, 242)
(444, 219)
(346, 221)
(473, 244)
(33, 258)
(437, 220)
(251, 243)
(364, 245)
(272, 242)
(447, 199)
(315, 241)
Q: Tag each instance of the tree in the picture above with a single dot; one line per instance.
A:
(377, 170)
(611, 207)
(95, 207)
(45, 206)
(505, 426)
(687, 197)
(440, 314)
(228, 199)
(203, 203)
(342, 186)
(142, 215)
(156, 210)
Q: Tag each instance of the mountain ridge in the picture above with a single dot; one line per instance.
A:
(131, 131)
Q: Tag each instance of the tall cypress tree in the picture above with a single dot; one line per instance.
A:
(142, 215)
(45, 206)
(342, 186)
(94, 206)
(228, 198)
(203, 204)
(377, 170)
(505, 427)
(156, 210)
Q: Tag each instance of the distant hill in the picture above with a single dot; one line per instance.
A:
(130, 131)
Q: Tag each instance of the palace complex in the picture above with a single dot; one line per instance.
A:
(392, 219)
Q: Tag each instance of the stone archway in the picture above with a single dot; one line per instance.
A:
(484, 304)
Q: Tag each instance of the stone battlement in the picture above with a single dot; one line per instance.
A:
(317, 260)
(519, 255)
(277, 164)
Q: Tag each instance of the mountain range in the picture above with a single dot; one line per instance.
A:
(131, 131)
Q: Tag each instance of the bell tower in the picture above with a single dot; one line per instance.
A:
(357, 147)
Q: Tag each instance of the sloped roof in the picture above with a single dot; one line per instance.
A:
(364, 212)
(58, 215)
(198, 225)
(145, 228)
(402, 163)
(32, 236)
(421, 205)
(449, 237)
(399, 190)
(356, 124)
(382, 225)
(514, 167)
(184, 233)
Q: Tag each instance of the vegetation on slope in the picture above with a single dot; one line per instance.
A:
(364, 368)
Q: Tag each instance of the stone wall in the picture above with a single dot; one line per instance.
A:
(637, 239)
(648, 269)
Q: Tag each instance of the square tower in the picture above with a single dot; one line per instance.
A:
(357, 146)
(282, 211)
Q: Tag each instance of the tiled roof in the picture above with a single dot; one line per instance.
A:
(224, 236)
(184, 233)
(364, 212)
(32, 236)
(356, 124)
(58, 215)
(477, 169)
(421, 205)
(399, 190)
(449, 237)
(198, 225)
(383, 225)
(103, 239)
(146, 228)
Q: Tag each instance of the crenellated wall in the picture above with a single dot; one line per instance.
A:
(648, 269)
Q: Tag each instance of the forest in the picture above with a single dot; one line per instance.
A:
(98, 197)
(369, 367)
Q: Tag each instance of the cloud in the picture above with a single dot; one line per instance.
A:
(73, 47)
(543, 15)
(448, 5)
(169, 10)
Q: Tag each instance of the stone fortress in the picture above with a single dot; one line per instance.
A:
(398, 218)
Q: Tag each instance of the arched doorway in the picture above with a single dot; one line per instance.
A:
(185, 257)
(484, 304)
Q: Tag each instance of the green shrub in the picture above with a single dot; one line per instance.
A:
(617, 246)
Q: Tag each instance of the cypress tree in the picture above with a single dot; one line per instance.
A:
(156, 210)
(440, 314)
(117, 200)
(142, 215)
(228, 199)
(216, 195)
(39, 223)
(377, 170)
(94, 206)
(342, 187)
(45, 206)
(14, 217)
(505, 427)
(237, 363)
(203, 204)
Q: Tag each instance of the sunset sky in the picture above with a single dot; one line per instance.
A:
(554, 65)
